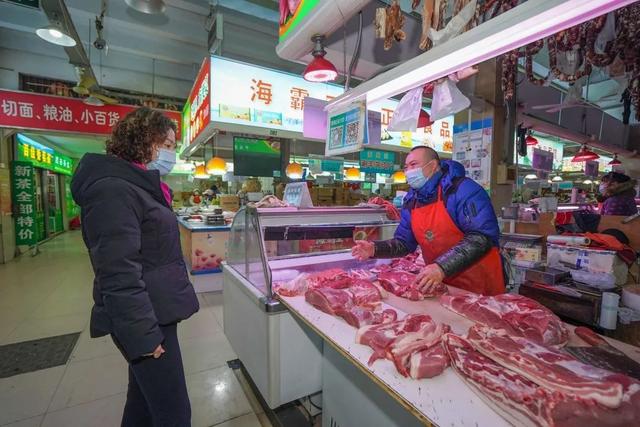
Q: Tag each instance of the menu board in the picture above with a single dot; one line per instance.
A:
(256, 157)
(472, 147)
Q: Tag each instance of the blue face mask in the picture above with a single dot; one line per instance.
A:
(415, 178)
(165, 162)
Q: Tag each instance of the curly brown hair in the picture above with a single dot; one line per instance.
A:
(134, 137)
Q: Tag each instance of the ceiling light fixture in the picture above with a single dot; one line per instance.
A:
(399, 177)
(55, 34)
(557, 178)
(615, 161)
(530, 139)
(216, 166)
(587, 182)
(200, 172)
(424, 119)
(294, 170)
(150, 7)
(531, 176)
(352, 174)
(584, 154)
(319, 69)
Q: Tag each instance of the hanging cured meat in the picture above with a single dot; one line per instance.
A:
(393, 25)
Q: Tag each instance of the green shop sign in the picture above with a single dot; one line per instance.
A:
(376, 161)
(24, 202)
(35, 4)
(43, 157)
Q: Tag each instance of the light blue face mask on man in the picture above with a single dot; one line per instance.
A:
(165, 162)
(415, 178)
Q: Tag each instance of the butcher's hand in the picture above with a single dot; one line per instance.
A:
(363, 250)
(159, 351)
(430, 276)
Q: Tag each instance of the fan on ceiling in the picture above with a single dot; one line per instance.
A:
(88, 86)
(573, 99)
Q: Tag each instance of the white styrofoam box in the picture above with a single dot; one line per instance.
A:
(587, 259)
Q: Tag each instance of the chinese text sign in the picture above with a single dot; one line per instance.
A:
(24, 202)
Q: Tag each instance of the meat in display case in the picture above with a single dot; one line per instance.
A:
(271, 245)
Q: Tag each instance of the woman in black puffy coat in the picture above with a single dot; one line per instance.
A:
(141, 288)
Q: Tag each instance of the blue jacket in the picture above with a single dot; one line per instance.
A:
(468, 205)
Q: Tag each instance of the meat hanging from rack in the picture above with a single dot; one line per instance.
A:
(581, 40)
(393, 25)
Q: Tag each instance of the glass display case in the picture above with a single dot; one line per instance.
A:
(271, 244)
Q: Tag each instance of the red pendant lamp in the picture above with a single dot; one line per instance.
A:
(584, 154)
(319, 69)
(530, 139)
(615, 161)
(424, 119)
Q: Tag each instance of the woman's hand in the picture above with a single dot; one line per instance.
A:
(159, 351)
(363, 250)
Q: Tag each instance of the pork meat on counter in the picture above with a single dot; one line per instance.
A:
(516, 314)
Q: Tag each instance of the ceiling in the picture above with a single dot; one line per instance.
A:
(176, 40)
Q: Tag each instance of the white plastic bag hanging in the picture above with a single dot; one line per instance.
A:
(607, 34)
(455, 26)
(405, 117)
(447, 100)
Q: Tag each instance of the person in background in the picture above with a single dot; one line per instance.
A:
(214, 189)
(618, 194)
(452, 220)
(141, 289)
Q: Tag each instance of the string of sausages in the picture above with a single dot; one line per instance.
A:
(579, 42)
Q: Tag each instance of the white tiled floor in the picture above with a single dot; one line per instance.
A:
(50, 294)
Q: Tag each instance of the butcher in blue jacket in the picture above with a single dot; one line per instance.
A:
(452, 220)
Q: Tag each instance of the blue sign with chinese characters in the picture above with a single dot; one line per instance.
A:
(376, 161)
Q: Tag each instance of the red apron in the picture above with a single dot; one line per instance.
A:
(436, 233)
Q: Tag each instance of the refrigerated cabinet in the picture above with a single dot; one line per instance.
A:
(280, 353)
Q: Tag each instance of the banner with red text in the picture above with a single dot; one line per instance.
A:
(26, 110)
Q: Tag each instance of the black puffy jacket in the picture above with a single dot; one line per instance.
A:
(132, 236)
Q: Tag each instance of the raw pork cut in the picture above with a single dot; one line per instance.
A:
(549, 367)
(518, 315)
(412, 344)
(411, 263)
(359, 317)
(333, 278)
(428, 363)
(378, 337)
(523, 402)
(365, 294)
(337, 276)
(400, 350)
(292, 288)
(329, 300)
(399, 283)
